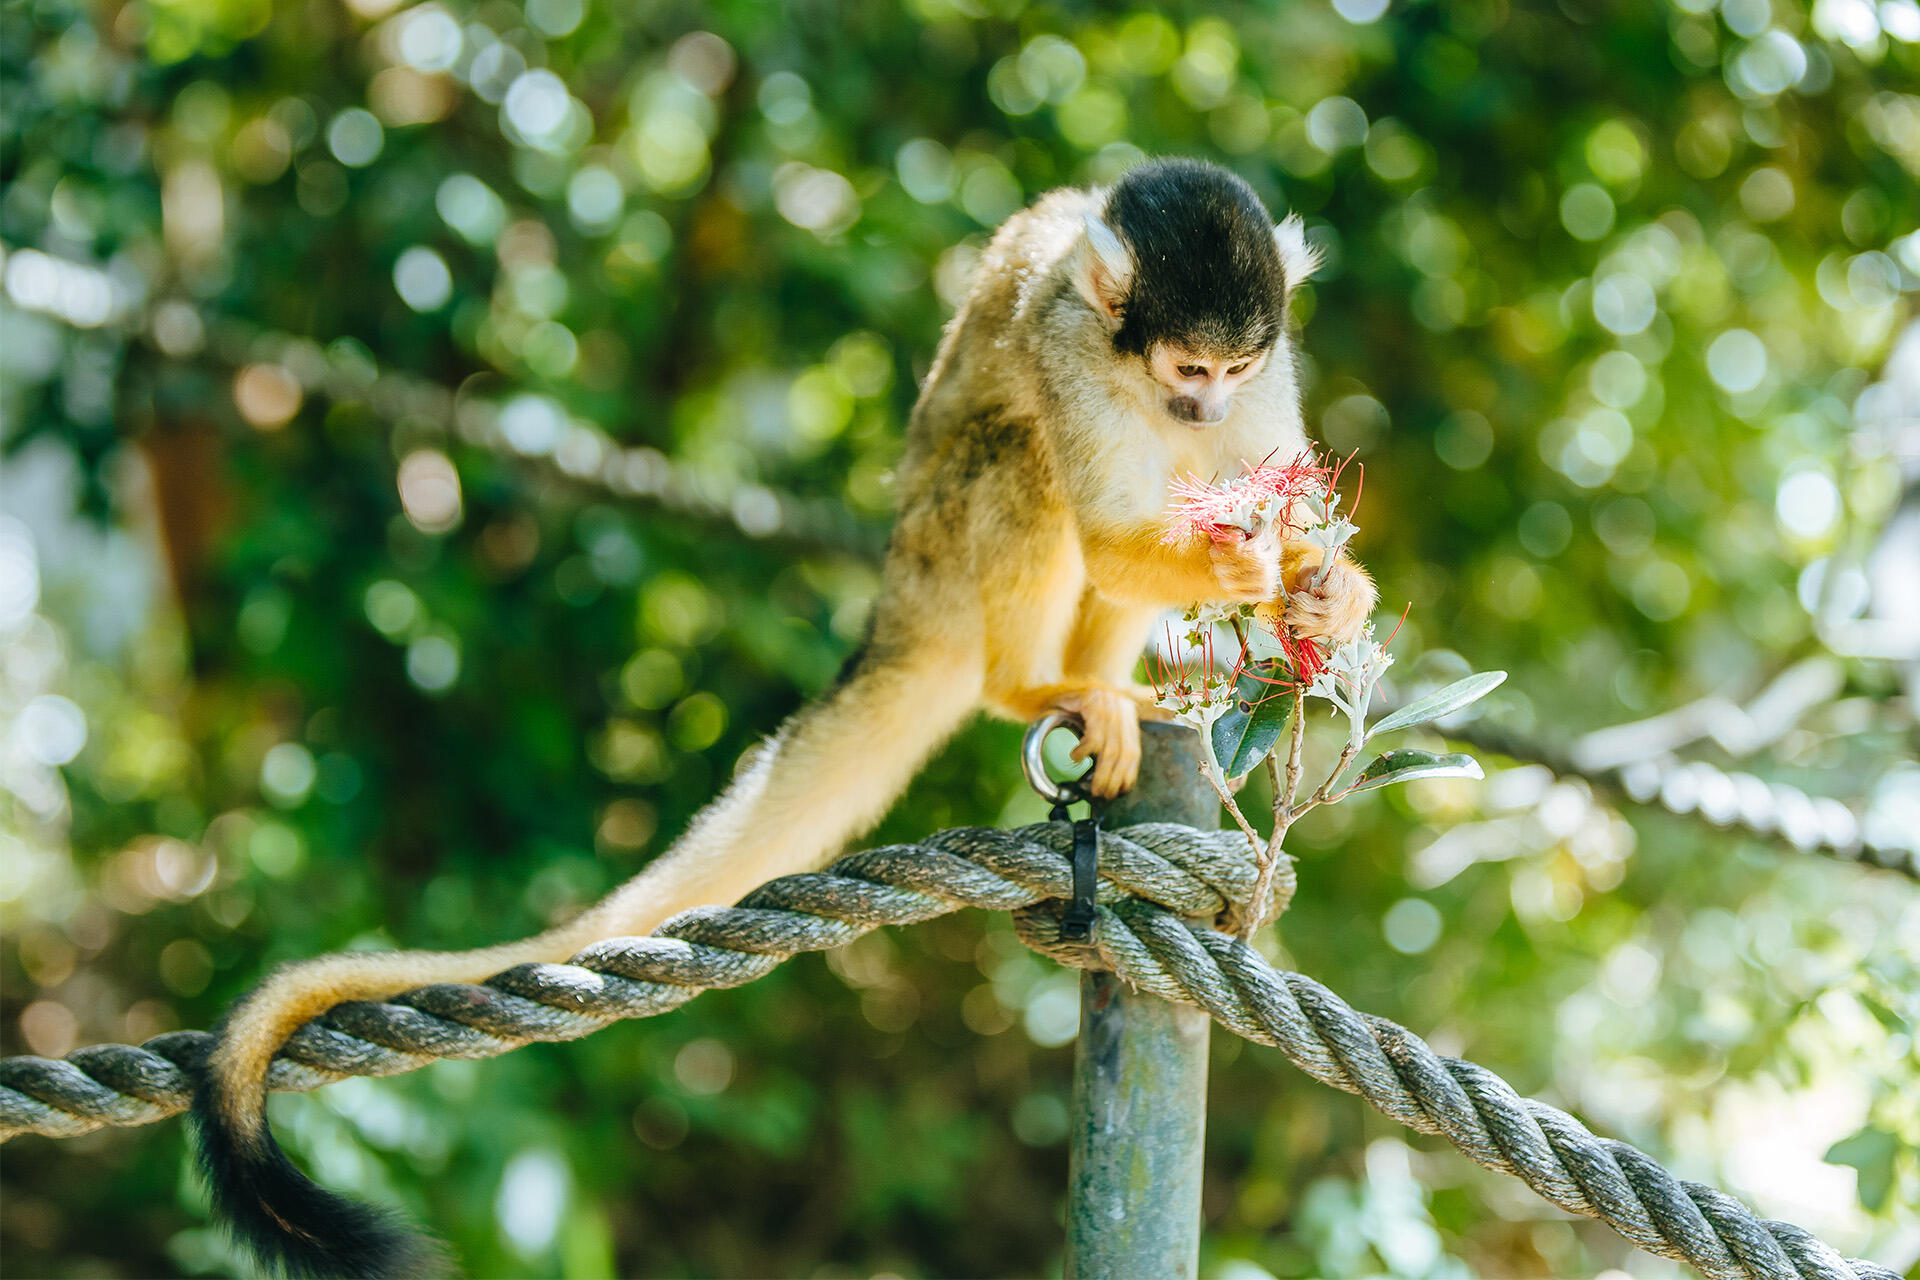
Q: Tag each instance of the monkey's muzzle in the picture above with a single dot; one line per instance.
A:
(1190, 410)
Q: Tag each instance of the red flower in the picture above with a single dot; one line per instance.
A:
(1226, 510)
(1303, 655)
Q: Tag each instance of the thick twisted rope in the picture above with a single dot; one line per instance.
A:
(1191, 872)
(1154, 877)
(1469, 1106)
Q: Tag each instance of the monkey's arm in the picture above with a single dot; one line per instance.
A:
(1133, 564)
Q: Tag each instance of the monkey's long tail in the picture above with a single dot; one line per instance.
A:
(829, 773)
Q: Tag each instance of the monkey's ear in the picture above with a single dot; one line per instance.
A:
(1298, 259)
(1103, 271)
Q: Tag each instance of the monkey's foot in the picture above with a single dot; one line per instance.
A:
(1111, 735)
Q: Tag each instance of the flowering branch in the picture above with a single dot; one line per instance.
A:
(1239, 730)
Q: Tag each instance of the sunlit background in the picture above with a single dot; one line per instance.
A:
(439, 438)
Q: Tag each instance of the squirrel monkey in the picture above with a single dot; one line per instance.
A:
(1113, 340)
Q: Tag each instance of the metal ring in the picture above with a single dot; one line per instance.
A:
(1033, 761)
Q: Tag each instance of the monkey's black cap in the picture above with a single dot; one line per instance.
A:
(1206, 272)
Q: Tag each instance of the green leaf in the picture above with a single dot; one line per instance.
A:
(1405, 766)
(1870, 1152)
(1441, 702)
(1242, 738)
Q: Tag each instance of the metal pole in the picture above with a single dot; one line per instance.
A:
(1140, 1076)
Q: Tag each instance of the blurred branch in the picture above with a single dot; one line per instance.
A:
(1771, 810)
(1738, 730)
(564, 447)
(575, 451)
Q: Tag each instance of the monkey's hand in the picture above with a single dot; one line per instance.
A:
(1111, 734)
(1338, 608)
(1247, 568)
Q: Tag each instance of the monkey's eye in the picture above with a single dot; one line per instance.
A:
(1189, 370)
(1238, 369)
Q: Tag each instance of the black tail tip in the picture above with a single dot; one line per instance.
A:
(294, 1227)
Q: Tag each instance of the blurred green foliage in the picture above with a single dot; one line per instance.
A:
(445, 436)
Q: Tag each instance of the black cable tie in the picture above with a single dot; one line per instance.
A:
(1076, 925)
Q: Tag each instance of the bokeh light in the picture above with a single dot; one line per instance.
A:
(430, 491)
(421, 278)
(267, 395)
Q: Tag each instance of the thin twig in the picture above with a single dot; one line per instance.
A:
(1258, 910)
(1296, 760)
(1326, 795)
(1240, 633)
(1217, 780)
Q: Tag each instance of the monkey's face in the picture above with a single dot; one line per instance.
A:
(1200, 384)
(1189, 278)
